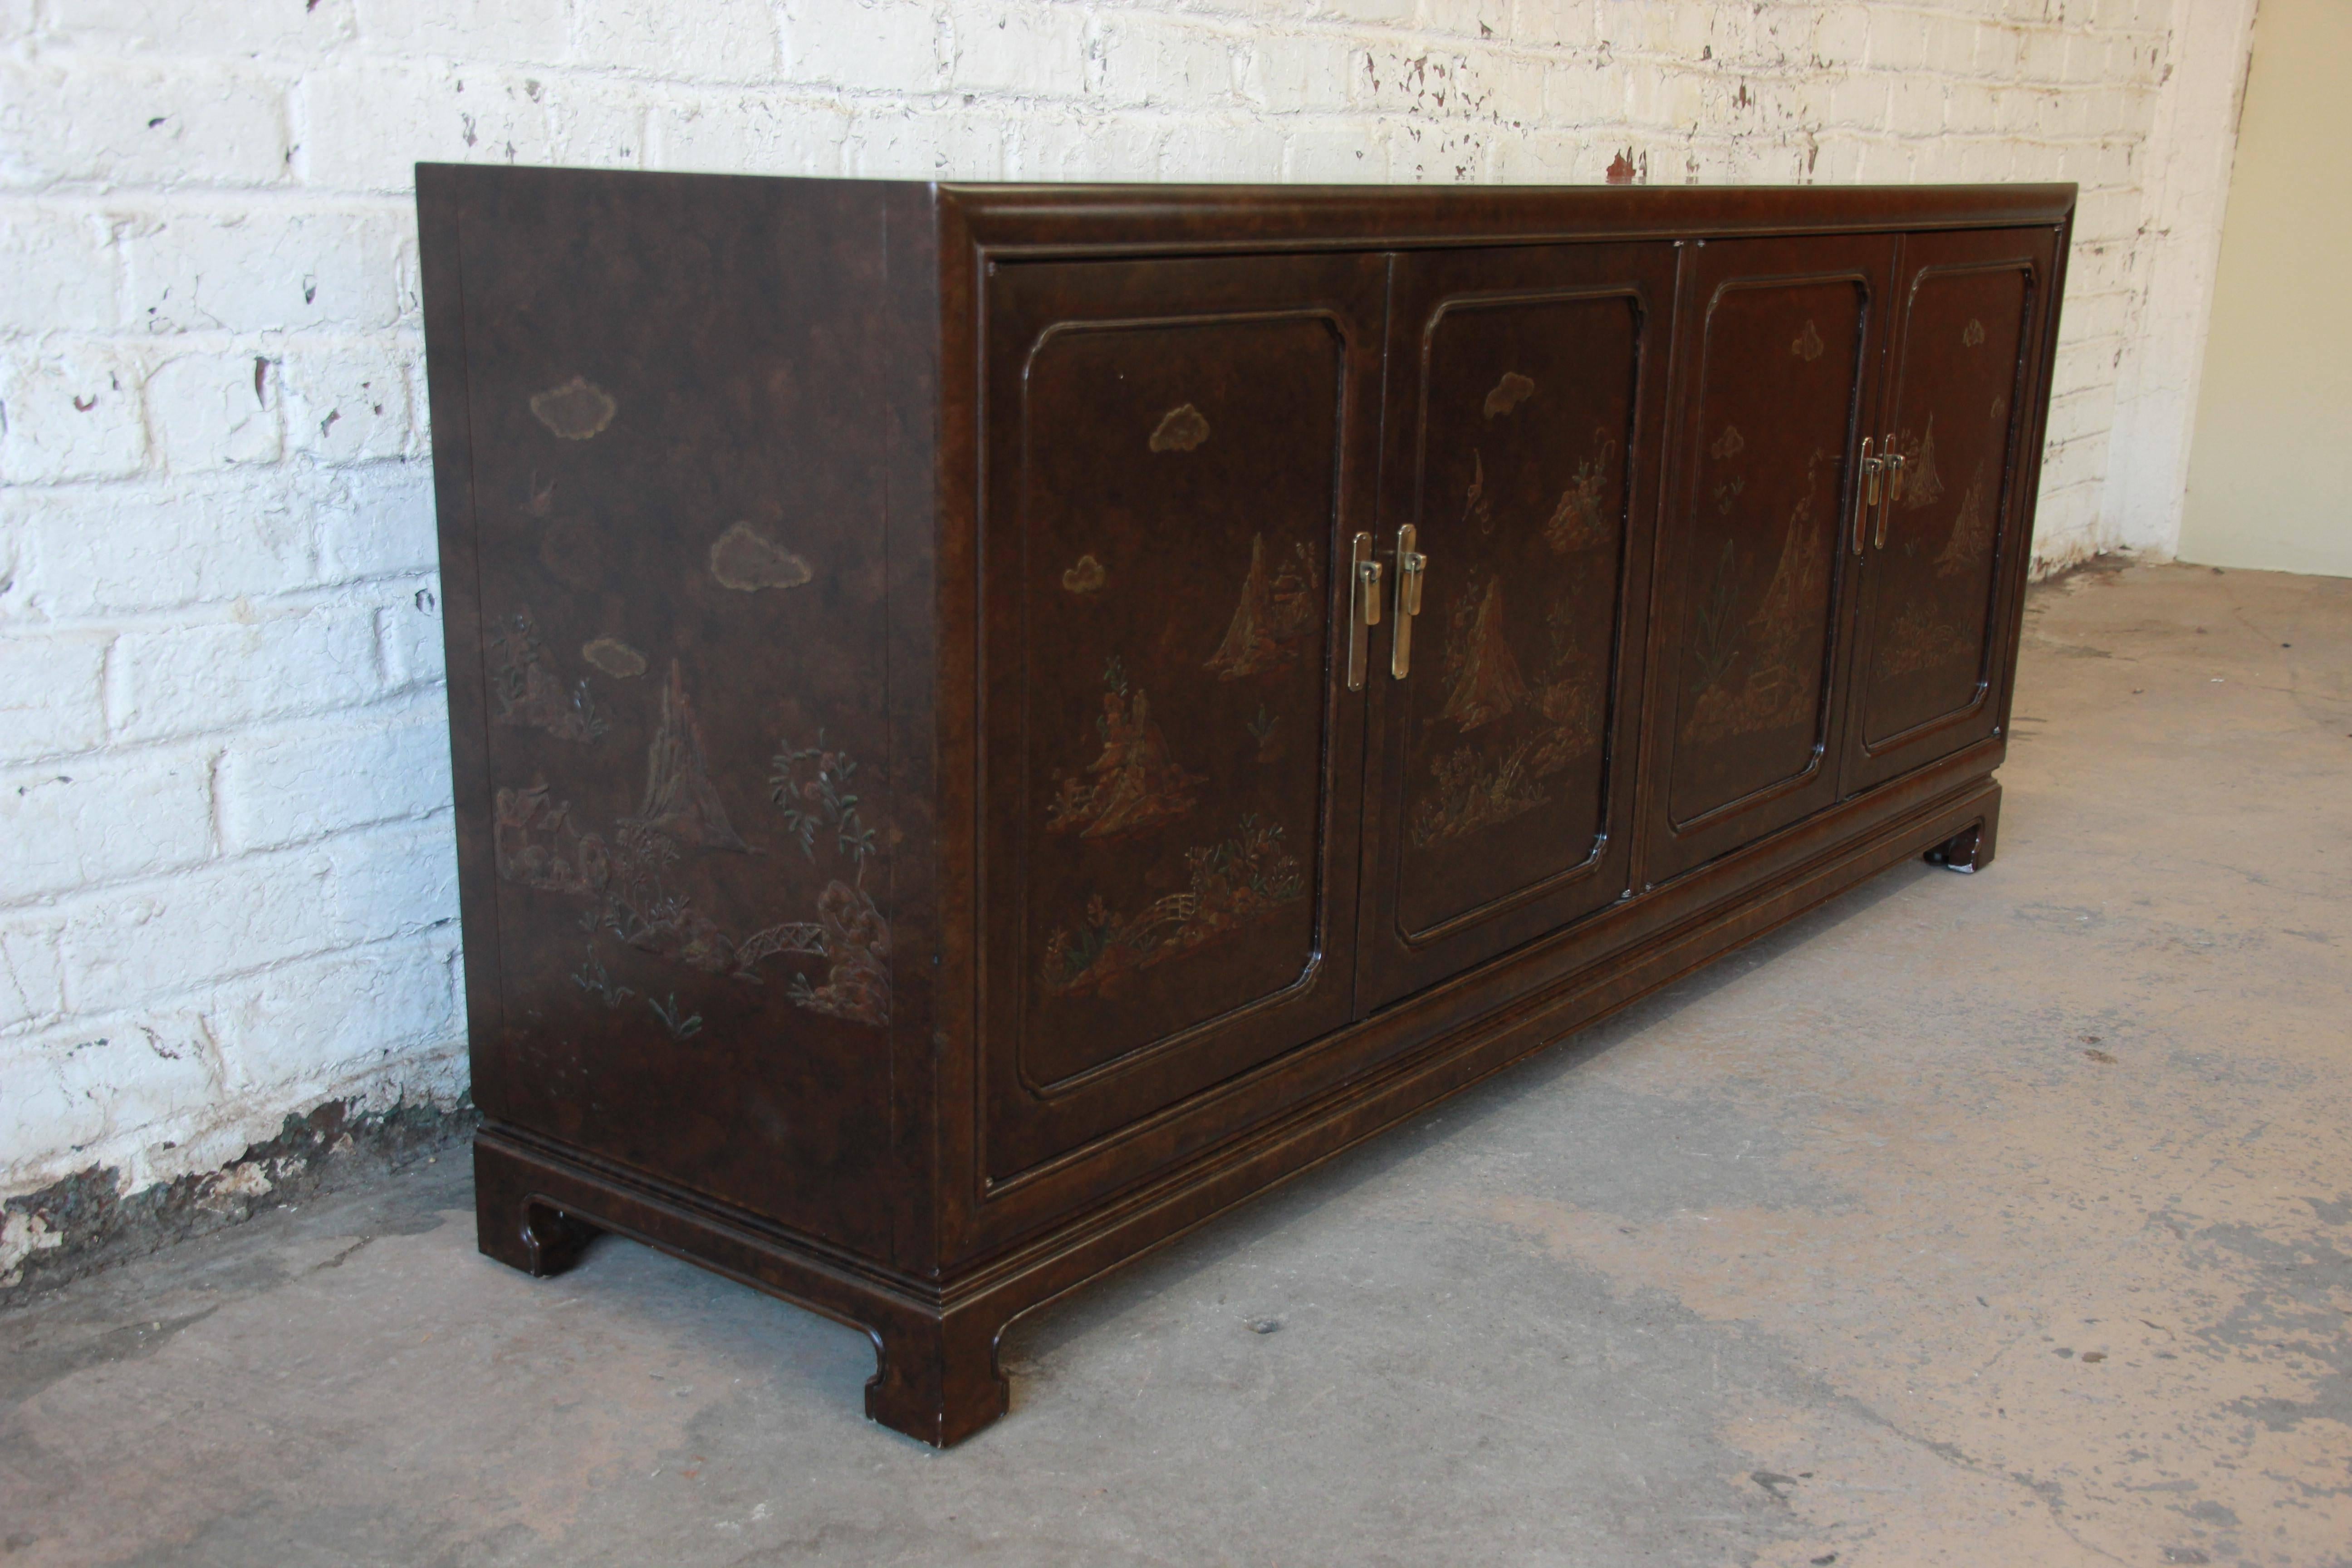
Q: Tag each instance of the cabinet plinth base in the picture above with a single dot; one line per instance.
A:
(1969, 850)
(524, 1232)
(936, 1378)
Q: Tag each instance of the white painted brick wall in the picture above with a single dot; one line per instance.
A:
(226, 877)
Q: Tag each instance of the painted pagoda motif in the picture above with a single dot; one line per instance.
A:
(529, 692)
(855, 940)
(537, 844)
(1134, 782)
(1275, 616)
(1580, 521)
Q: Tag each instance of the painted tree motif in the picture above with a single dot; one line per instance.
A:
(811, 785)
(1134, 782)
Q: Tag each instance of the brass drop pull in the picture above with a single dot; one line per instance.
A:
(1869, 496)
(1411, 564)
(1893, 462)
(1364, 603)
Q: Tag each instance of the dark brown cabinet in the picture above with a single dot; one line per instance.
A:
(991, 724)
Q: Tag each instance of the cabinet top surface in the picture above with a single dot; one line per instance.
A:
(1016, 216)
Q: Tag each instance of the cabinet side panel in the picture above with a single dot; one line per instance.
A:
(911, 353)
(677, 433)
(438, 195)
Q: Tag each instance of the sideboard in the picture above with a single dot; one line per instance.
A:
(992, 723)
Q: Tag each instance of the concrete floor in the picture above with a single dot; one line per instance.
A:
(1992, 1220)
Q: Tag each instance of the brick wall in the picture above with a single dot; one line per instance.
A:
(225, 879)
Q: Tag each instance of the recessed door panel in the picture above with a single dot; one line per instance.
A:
(1173, 777)
(1524, 405)
(1780, 367)
(1937, 545)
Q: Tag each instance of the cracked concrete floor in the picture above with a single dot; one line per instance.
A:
(2003, 1219)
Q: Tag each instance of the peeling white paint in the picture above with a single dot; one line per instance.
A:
(21, 1236)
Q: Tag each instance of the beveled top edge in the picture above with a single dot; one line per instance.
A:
(1030, 219)
(1225, 192)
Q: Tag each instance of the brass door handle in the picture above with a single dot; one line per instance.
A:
(1364, 606)
(1894, 463)
(1867, 496)
(1410, 565)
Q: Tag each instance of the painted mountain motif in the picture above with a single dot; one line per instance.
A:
(1275, 616)
(1972, 529)
(1775, 691)
(1923, 486)
(1476, 509)
(680, 800)
(1559, 720)
(1483, 679)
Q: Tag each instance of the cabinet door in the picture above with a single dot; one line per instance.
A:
(1178, 452)
(1942, 551)
(1777, 362)
(1526, 396)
